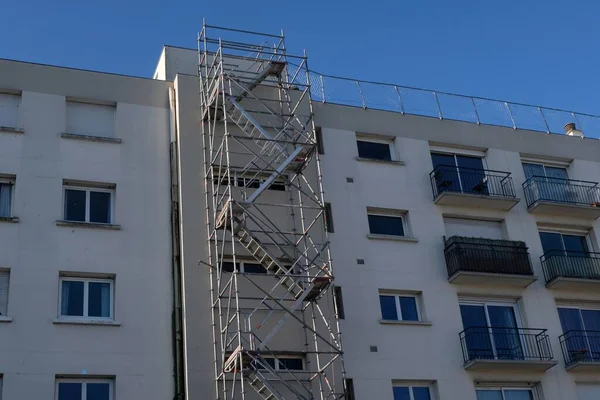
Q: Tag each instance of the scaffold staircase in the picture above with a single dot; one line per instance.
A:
(261, 94)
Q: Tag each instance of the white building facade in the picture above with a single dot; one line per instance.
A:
(85, 213)
(464, 253)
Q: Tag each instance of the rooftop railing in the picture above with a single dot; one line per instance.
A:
(443, 105)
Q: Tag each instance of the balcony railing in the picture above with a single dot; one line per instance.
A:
(447, 178)
(508, 344)
(570, 264)
(580, 346)
(565, 191)
(486, 256)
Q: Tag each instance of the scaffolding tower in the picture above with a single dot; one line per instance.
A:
(272, 292)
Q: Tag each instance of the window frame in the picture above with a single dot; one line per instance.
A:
(544, 166)
(391, 147)
(586, 237)
(410, 387)
(397, 296)
(236, 177)
(8, 273)
(286, 356)
(10, 181)
(86, 281)
(89, 102)
(84, 382)
(240, 267)
(87, 190)
(401, 216)
(19, 96)
(508, 388)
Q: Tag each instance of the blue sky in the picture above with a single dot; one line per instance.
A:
(538, 52)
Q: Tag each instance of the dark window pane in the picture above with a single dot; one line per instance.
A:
(533, 170)
(401, 393)
(69, 391)
(523, 394)
(278, 186)
(74, 205)
(228, 266)
(442, 159)
(267, 360)
(388, 307)
(319, 139)
(5, 199)
(328, 217)
(469, 162)
(98, 391)
(576, 244)
(408, 307)
(72, 298)
(372, 150)
(293, 364)
(489, 395)
(385, 225)
(100, 207)
(339, 302)
(553, 172)
(591, 319)
(99, 299)
(551, 241)
(570, 320)
(253, 268)
(421, 393)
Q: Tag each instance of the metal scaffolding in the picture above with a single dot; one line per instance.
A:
(275, 325)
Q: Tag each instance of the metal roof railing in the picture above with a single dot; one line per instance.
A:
(442, 105)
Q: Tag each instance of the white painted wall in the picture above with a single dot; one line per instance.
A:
(432, 353)
(33, 349)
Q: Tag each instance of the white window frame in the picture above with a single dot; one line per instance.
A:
(87, 190)
(502, 389)
(410, 387)
(280, 357)
(19, 96)
(390, 142)
(11, 181)
(5, 315)
(397, 296)
(585, 235)
(84, 383)
(544, 165)
(391, 214)
(86, 282)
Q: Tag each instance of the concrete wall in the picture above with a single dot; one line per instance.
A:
(433, 353)
(33, 348)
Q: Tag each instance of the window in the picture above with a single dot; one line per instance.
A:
(399, 307)
(86, 298)
(381, 224)
(91, 119)
(564, 244)
(505, 394)
(328, 215)
(283, 363)
(349, 389)
(581, 327)
(339, 302)
(491, 330)
(375, 149)
(459, 173)
(6, 195)
(88, 204)
(4, 281)
(246, 267)
(319, 139)
(9, 110)
(252, 180)
(412, 393)
(541, 170)
(84, 389)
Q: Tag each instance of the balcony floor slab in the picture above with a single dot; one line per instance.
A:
(510, 365)
(499, 279)
(475, 201)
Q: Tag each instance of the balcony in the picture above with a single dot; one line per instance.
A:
(581, 350)
(564, 197)
(571, 270)
(506, 349)
(486, 261)
(470, 187)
